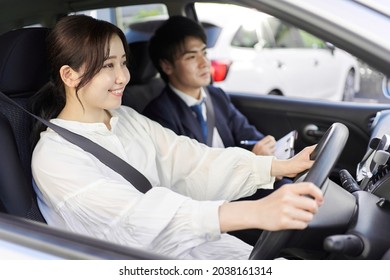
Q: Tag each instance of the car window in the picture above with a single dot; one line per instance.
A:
(212, 33)
(311, 41)
(287, 60)
(334, 74)
(287, 37)
(137, 21)
(245, 37)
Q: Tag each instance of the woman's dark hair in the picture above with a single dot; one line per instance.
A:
(76, 40)
(168, 40)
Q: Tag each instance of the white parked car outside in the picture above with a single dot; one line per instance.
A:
(253, 52)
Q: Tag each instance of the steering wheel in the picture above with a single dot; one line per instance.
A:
(325, 154)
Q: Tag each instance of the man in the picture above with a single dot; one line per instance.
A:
(178, 50)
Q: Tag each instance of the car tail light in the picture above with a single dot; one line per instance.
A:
(219, 69)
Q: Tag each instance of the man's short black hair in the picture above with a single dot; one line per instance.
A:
(168, 40)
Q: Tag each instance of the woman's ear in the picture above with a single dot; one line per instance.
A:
(70, 77)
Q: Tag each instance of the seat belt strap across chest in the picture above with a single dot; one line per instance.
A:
(137, 179)
(210, 118)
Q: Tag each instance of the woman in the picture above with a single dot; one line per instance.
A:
(187, 212)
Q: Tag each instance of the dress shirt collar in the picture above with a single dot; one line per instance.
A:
(189, 100)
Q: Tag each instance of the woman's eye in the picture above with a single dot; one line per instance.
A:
(108, 65)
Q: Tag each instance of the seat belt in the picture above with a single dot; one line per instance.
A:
(210, 118)
(137, 179)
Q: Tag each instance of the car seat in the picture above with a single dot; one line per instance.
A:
(145, 83)
(23, 70)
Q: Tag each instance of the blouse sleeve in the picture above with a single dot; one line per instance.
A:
(78, 193)
(205, 173)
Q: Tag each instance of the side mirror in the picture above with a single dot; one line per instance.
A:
(331, 47)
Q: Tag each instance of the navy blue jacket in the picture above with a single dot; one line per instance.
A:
(172, 112)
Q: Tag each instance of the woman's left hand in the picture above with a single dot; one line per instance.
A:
(295, 165)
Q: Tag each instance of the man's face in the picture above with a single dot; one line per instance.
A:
(191, 68)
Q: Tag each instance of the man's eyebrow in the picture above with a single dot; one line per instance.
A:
(193, 51)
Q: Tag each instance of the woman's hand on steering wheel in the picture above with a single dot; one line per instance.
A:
(295, 165)
(290, 207)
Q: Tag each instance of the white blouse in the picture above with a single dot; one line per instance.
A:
(178, 217)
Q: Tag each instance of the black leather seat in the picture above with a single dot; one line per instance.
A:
(145, 83)
(23, 70)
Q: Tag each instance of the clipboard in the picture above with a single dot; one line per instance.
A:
(285, 145)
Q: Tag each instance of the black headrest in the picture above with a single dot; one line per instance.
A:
(23, 62)
(140, 65)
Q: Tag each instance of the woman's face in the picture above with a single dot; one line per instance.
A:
(106, 88)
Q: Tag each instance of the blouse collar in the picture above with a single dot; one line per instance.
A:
(89, 127)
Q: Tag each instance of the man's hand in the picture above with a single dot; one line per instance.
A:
(265, 147)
